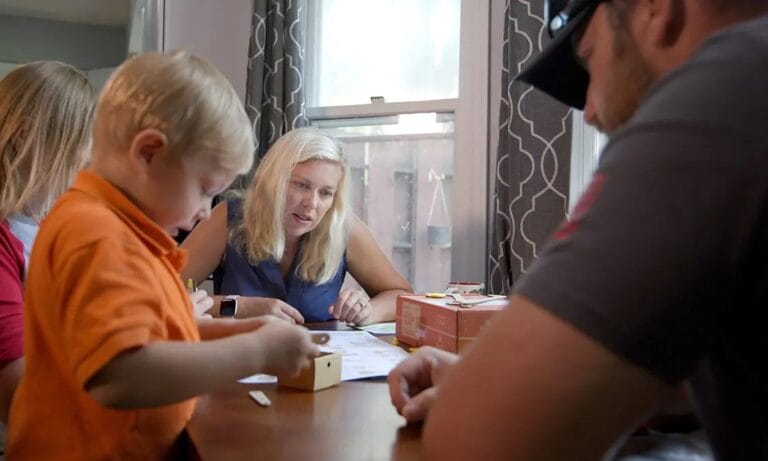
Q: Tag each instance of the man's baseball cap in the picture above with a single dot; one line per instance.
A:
(555, 70)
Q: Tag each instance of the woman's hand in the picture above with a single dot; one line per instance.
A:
(352, 306)
(201, 302)
(253, 306)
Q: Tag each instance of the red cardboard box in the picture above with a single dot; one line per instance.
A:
(424, 321)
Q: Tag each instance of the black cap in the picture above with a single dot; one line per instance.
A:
(555, 70)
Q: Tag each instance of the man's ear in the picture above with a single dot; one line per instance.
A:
(665, 21)
(148, 146)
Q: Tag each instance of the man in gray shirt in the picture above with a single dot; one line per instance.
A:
(661, 273)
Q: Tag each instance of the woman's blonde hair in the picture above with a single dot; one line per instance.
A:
(46, 109)
(261, 236)
(184, 97)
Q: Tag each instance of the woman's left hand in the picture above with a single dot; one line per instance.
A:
(352, 306)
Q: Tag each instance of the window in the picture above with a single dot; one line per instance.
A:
(401, 168)
(385, 78)
(586, 145)
(401, 50)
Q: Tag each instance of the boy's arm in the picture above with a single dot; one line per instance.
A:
(167, 372)
(216, 328)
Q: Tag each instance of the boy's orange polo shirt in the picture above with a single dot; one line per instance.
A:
(103, 279)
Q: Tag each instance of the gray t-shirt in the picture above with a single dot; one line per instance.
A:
(665, 258)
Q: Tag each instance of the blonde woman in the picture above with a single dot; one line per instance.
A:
(286, 247)
(45, 116)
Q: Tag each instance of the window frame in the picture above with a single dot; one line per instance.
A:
(469, 250)
(586, 145)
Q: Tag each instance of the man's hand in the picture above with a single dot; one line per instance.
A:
(413, 383)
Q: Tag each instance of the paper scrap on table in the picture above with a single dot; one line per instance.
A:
(384, 328)
(363, 356)
(259, 379)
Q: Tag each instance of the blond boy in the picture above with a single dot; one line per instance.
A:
(114, 356)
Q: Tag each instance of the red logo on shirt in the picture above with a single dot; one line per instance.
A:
(585, 202)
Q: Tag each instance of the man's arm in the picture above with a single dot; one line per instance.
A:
(533, 387)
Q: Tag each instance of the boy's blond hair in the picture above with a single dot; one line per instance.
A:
(182, 96)
(261, 236)
(46, 109)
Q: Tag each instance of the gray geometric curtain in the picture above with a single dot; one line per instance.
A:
(533, 158)
(274, 96)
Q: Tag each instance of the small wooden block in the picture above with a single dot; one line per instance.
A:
(323, 372)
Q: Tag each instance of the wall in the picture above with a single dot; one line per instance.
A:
(98, 77)
(216, 31)
(24, 39)
(6, 67)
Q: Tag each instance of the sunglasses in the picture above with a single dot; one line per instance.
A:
(572, 9)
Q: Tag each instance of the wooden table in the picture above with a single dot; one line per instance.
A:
(352, 421)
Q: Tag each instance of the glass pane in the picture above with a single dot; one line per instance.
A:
(401, 50)
(402, 183)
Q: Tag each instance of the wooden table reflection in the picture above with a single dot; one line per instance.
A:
(352, 421)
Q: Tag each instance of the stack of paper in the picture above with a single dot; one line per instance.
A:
(363, 356)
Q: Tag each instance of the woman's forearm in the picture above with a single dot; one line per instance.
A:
(383, 306)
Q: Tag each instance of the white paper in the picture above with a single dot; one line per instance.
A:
(259, 379)
(384, 328)
(363, 356)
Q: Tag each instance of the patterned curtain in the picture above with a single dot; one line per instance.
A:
(274, 96)
(533, 158)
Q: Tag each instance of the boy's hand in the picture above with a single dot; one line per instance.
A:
(201, 302)
(413, 383)
(352, 306)
(253, 306)
(285, 348)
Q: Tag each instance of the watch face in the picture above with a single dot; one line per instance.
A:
(228, 307)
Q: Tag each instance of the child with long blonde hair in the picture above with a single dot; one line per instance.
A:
(46, 109)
